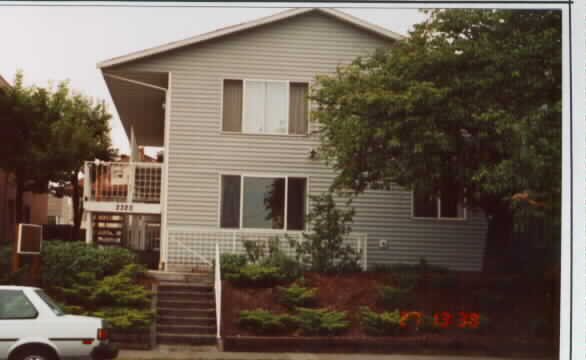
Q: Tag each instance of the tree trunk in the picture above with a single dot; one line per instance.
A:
(499, 236)
(77, 209)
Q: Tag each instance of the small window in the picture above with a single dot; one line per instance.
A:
(446, 206)
(263, 202)
(15, 305)
(265, 107)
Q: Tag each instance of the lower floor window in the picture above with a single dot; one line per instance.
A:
(258, 202)
(446, 206)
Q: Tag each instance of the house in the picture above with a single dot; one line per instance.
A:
(229, 108)
(34, 206)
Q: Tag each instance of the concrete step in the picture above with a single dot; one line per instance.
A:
(182, 339)
(187, 320)
(163, 312)
(193, 296)
(185, 304)
(185, 329)
(181, 277)
(185, 288)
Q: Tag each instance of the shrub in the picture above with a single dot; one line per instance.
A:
(264, 321)
(395, 297)
(297, 296)
(321, 321)
(323, 250)
(64, 261)
(379, 324)
(117, 298)
(255, 250)
(125, 317)
(231, 264)
(257, 275)
(290, 267)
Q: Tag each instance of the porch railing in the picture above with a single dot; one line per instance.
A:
(130, 182)
(197, 246)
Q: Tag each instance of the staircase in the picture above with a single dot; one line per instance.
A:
(107, 228)
(186, 313)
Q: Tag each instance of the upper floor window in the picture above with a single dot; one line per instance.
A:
(446, 206)
(265, 107)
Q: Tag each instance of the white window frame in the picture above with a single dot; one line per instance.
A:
(309, 105)
(272, 176)
(288, 95)
(439, 209)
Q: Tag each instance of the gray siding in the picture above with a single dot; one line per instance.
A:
(295, 49)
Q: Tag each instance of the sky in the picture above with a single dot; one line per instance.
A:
(55, 43)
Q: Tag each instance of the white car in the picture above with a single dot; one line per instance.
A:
(33, 327)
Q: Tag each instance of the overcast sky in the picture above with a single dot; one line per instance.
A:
(54, 43)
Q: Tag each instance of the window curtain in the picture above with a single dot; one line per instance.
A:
(298, 108)
(230, 207)
(232, 108)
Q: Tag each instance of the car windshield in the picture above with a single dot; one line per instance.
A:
(52, 305)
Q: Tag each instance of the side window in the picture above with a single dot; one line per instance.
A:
(15, 305)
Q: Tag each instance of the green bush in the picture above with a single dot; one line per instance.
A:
(395, 297)
(117, 298)
(231, 264)
(321, 321)
(64, 261)
(125, 317)
(263, 321)
(257, 275)
(297, 296)
(380, 324)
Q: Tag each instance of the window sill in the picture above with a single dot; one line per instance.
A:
(262, 134)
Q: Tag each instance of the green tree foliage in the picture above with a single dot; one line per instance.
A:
(47, 135)
(469, 103)
(27, 115)
(323, 249)
(80, 134)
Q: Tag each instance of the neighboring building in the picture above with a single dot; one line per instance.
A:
(60, 210)
(34, 207)
(230, 110)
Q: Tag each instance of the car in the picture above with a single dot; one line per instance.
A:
(33, 327)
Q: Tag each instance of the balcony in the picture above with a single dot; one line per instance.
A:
(123, 187)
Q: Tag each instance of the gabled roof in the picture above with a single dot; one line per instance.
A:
(378, 30)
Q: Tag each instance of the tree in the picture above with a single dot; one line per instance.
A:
(26, 121)
(82, 133)
(470, 101)
(323, 249)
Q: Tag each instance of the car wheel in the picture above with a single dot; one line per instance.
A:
(34, 354)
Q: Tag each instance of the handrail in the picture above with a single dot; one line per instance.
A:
(218, 291)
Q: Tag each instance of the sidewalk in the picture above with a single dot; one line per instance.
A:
(210, 353)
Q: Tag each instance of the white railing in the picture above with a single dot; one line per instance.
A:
(218, 291)
(197, 246)
(129, 182)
